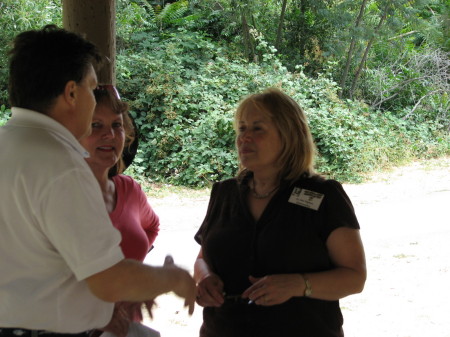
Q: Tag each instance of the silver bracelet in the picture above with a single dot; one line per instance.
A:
(308, 288)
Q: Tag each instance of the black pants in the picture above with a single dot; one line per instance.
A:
(18, 332)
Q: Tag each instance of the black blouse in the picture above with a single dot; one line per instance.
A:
(289, 237)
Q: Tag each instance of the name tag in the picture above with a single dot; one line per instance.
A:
(306, 198)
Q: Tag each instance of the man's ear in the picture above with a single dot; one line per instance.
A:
(70, 92)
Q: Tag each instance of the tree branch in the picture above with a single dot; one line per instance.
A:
(420, 100)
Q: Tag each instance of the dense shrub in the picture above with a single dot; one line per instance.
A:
(416, 83)
(4, 114)
(183, 88)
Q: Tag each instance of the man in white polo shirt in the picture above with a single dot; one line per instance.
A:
(61, 267)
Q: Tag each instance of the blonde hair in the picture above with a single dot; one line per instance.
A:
(298, 149)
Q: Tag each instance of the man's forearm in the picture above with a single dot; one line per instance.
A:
(130, 280)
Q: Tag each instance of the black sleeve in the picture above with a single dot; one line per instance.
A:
(337, 209)
(198, 237)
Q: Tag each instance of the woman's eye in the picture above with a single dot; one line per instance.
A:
(95, 125)
(117, 125)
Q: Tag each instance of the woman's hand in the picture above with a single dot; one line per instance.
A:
(274, 289)
(210, 291)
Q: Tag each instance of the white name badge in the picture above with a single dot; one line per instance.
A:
(306, 198)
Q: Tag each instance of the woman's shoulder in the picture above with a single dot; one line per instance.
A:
(225, 187)
(122, 178)
(124, 181)
(226, 182)
(321, 191)
(319, 183)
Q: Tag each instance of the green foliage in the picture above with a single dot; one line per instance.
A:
(139, 15)
(183, 68)
(307, 31)
(4, 114)
(409, 29)
(415, 83)
(133, 17)
(355, 141)
(17, 16)
(172, 14)
(184, 105)
(185, 109)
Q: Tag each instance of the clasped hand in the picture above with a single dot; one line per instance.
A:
(266, 291)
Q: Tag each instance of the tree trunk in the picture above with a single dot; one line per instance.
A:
(95, 20)
(280, 25)
(246, 37)
(351, 48)
(302, 31)
(366, 53)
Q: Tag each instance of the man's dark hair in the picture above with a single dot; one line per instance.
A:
(41, 64)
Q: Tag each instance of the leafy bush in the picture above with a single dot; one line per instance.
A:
(4, 114)
(355, 141)
(184, 114)
(184, 88)
(420, 81)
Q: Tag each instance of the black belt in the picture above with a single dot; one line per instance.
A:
(237, 299)
(19, 332)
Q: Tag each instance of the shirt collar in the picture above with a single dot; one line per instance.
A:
(29, 118)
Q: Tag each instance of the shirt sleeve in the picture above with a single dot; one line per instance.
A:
(199, 236)
(337, 209)
(77, 225)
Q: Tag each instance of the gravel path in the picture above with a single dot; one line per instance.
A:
(405, 226)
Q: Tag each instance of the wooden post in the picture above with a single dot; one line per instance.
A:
(95, 20)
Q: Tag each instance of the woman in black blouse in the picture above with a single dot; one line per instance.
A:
(280, 245)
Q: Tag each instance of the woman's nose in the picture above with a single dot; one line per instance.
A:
(245, 135)
(108, 133)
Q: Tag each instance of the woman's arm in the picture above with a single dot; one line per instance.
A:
(209, 285)
(201, 269)
(348, 277)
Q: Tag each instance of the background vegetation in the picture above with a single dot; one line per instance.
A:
(372, 76)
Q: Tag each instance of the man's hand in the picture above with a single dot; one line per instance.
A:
(185, 286)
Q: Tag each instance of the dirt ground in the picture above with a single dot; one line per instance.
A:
(405, 226)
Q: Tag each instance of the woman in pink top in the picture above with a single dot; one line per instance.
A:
(130, 213)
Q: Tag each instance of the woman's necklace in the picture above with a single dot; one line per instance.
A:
(264, 195)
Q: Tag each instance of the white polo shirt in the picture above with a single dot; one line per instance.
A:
(54, 229)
